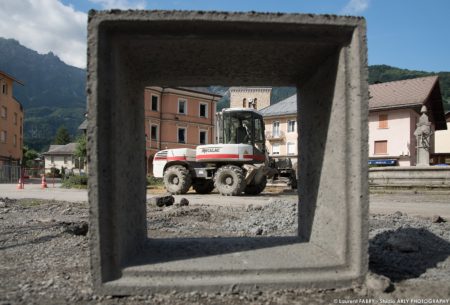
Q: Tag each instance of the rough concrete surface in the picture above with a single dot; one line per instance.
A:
(324, 56)
(43, 260)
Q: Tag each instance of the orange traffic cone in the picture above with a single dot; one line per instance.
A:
(43, 182)
(20, 184)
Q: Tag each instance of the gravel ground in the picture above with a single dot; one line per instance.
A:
(44, 254)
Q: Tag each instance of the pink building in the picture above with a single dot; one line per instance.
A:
(394, 109)
(178, 118)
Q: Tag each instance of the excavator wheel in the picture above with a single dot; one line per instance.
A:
(177, 179)
(229, 180)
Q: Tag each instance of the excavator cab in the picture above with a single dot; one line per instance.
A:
(241, 126)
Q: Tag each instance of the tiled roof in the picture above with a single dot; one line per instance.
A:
(10, 77)
(68, 149)
(83, 126)
(284, 107)
(403, 93)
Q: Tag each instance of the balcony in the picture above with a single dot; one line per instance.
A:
(272, 137)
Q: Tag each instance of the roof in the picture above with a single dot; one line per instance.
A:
(10, 77)
(402, 93)
(83, 126)
(410, 93)
(203, 90)
(284, 107)
(68, 149)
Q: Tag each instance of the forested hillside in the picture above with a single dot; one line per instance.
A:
(53, 93)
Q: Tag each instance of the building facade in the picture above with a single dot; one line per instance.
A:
(281, 132)
(394, 111)
(250, 97)
(11, 122)
(178, 118)
(61, 156)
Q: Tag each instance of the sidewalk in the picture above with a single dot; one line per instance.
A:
(33, 190)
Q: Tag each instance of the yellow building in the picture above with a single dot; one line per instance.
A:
(11, 122)
(280, 122)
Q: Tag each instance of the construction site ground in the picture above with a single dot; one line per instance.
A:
(44, 255)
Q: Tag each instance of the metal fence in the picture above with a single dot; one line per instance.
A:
(9, 173)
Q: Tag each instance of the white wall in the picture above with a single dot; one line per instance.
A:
(442, 140)
(58, 162)
(399, 135)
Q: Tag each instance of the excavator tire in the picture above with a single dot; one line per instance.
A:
(229, 180)
(177, 179)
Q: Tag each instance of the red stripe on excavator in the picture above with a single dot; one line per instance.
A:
(181, 158)
(159, 158)
(255, 157)
(230, 156)
(218, 156)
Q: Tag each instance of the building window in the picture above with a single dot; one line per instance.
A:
(291, 148)
(4, 112)
(5, 88)
(154, 133)
(15, 118)
(182, 106)
(181, 135)
(203, 137)
(3, 136)
(383, 121)
(380, 148)
(276, 129)
(276, 149)
(244, 103)
(291, 126)
(15, 140)
(203, 110)
(154, 103)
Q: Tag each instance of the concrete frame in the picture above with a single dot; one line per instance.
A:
(324, 56)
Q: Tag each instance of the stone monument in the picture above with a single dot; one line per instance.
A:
(423, 134)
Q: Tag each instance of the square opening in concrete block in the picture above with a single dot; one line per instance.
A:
(204, 142)
(323, 56)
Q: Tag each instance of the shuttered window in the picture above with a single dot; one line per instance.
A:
(383, 121)
(380, 147)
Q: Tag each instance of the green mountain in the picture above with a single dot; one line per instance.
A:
(53, 94)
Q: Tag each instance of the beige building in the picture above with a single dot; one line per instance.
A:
(281, 128)
(394, 111)
(393, 114)
(250, 97)
(11, 122)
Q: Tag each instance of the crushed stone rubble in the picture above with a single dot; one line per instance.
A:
(44, 255)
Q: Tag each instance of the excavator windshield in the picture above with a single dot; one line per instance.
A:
(242, 127)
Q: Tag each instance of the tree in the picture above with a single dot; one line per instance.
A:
(62, 136)
(80, 149)
(81, 152)
(29, 156)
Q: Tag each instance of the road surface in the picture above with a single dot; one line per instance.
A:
(425, 204)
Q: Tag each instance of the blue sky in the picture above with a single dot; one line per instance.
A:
(411, 34)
